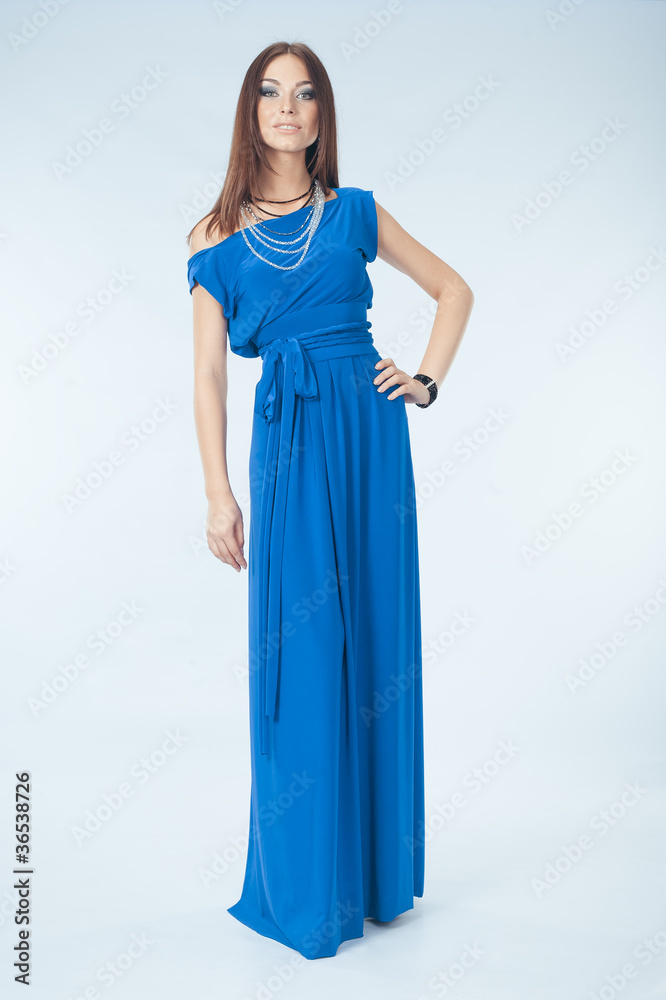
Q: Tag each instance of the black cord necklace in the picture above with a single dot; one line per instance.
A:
(288, 201)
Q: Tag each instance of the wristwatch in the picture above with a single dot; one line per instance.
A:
(431, 386)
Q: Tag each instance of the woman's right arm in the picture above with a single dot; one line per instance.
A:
(224, 522)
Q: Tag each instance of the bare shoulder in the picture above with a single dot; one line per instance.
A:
(200, 241)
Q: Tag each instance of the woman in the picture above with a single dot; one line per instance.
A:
(279, 266)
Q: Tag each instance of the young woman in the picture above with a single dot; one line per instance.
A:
(279, 267)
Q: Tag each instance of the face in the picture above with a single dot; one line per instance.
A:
(286, 97)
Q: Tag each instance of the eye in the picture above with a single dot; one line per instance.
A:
(309, 95)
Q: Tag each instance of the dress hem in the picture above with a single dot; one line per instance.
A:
(270, 931)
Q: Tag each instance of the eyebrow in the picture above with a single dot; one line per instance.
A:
(269, 79)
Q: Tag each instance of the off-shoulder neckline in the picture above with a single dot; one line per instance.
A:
(331, 201)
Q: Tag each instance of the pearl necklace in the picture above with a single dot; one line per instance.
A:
(311, 222)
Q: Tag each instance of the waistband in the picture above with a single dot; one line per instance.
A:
(316, 319)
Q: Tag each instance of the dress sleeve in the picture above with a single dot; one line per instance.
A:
(369, 216)
(207, 267)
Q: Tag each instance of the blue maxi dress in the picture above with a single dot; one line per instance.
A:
(336, 827)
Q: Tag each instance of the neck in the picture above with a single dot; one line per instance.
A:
(290, 179)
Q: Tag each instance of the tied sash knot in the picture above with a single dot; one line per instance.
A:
(289, 352)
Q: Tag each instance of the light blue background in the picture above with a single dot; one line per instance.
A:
(139, 537)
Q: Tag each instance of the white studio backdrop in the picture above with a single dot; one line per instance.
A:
(523, 143)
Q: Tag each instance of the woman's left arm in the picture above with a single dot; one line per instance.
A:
(454, 304)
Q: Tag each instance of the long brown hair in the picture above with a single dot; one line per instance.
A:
(247, 152)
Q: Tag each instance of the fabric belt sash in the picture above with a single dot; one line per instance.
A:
(287, 372)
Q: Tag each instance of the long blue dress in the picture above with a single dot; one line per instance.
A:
(336, 829)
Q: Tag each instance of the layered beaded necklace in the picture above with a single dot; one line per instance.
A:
(259, 229)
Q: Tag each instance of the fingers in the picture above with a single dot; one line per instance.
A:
(392, 376)
(401, 391)
(214, 548)
(224, 532)
(236, 547)
(228, 548)
(232, 556)
(398, 378)
(390, 371)
(388, 367)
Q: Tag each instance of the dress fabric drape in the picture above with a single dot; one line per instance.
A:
(337, 818)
